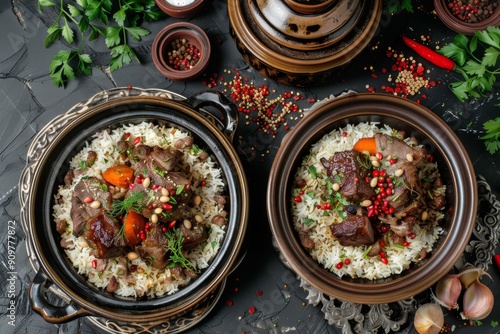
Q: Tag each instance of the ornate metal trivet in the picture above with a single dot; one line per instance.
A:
(354, 318)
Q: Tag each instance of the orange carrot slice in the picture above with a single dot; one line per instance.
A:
(133, 224)
(366, 145)
(119, 176)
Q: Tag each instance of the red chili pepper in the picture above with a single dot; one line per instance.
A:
(496, 258)
(429, 54)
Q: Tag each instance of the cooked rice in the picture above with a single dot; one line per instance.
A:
(327, 250)
(151, 282)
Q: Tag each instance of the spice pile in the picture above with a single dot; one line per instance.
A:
(472, 11)
(257, 103)
(183, 55)
(405, 77)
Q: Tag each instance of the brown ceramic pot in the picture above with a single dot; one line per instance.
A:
(455, 167)
(454, 23)
(177, 9)
(298, 48)
(180, 31)
(47, 163)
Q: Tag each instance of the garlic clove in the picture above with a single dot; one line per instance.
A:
(448, 291)
(429, 319)
(469, 274)
(478, 301)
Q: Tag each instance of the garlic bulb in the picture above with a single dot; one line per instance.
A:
(429, 319)
(469, 274)
(478, 301)
(448, 290)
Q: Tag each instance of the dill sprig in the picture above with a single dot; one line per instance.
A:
(133, 202)
(174, 245)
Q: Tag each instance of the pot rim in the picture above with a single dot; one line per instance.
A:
(226, 258)
(320, 120)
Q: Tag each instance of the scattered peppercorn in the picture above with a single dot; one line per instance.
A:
(472, 11)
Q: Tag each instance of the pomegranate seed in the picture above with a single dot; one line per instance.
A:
(384, 260)
(88, 200)
(259, 293)
(382, 244)
(406, 244)
(251, 310)
(164, 229)
(344, 134)
(137, 140)
(339, 265)
(126, 136)
(203, 183)
(379, 155)
(229, 302)
(129, 87)
(167, 206)
(347, 262)
(172, 224)
(297, 199)
(94, 263)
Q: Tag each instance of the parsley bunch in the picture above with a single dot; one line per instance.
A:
(91, 19)
(478, 62)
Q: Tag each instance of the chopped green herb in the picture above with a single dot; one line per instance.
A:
(312, 171)
(174, 245)
(308, 222)
(133, 202)
(179, 189)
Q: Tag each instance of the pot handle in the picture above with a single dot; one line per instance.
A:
(216, 99)
(49, 312)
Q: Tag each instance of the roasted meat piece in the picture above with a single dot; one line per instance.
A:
(354, 231)
(102, 235)
(351, 168)
(86, 192)
(153, 249)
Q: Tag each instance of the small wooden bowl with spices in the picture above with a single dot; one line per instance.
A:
(181, 51)
(468, 16)
(180, 8)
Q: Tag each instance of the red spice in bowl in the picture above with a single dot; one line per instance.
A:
(468, 16)
(181, 51)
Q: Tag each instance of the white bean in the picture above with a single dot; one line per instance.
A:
(132, 255)
(198, 218)
(375, 163)
(409, 157)
(146, 182)
(197, 200)
(399, 172)
(158, 210)
(164, 199)
(374, 182)
(336, 186)
(154, 218)
(366, 203)
(95, 205)
(425, 215)
(83, 243)
(187, 224)
(165, 192)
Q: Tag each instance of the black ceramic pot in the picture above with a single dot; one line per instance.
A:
(48, 161)
(439, 140)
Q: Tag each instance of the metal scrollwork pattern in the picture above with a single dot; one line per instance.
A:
(391, 318)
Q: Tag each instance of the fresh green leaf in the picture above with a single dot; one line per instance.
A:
(74, 11)
(490, 56)
(120, 17)
(53, 34)
(137, 32)
(474, 68)
(45, 3)
(492, 136)
(113, 36)
(67, 33)
(121, 55)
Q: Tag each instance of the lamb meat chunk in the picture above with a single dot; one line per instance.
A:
(101, 233)
(185, 142)
(306, 241)
(398, 148)
(162, 158)
(354, 231)
(61, 225)
(86, 191)
(193, 236)
(153, 249)
(351, 168)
